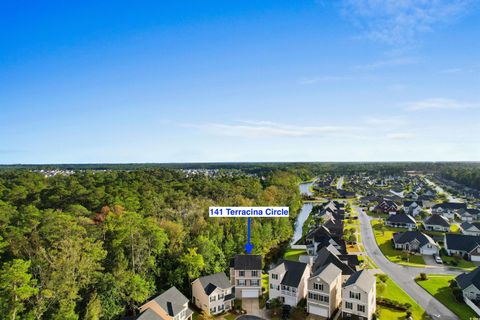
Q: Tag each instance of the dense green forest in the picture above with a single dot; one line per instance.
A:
(96, 244)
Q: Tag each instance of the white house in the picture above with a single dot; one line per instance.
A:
(213, 293)
(288, 282)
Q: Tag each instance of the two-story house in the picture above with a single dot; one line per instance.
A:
(325, 291)
(246, 275)
(170, 305)
(359, 296)
(213, 293)
(412, 207)
(288, 282)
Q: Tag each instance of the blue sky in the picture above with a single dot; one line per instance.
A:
(200, 81)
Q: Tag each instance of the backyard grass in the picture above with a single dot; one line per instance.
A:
(384, 242)
(438, 286)
(293, 254)
(394, 292)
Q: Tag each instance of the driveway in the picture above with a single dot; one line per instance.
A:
(403, 275)
(251, 305)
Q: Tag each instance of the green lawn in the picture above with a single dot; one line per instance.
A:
(462, 263)
(394, 292)
(293, 254)
(438, 286)
(385, 244)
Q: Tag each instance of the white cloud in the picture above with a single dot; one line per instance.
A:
(400, 136)
(401, 21)
(387, 121)
(269, 129)
(437, 103)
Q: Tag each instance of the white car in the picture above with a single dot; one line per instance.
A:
(437, 259)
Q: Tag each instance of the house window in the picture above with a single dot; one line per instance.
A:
(274, 276)
(348, 305)
(255, 273)
(241, 282)
(355, 295)
(221, 307)
(255, 282)
(318, 286)
(213, 310)
(361, 308)
(213, 298)
(241, 273)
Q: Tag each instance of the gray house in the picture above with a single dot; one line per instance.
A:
(415, 241)
(436, 222)
(401, 220)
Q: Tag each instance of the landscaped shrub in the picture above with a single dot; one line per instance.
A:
(423, 276)
(383, 277)
(394, 304)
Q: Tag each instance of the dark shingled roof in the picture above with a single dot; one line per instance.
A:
(461, 242)
(326, 257)
(409, 236)
(294, 273)
(247, 262)
(213, 281)
(466, 279)
(451, 205)
(401, 218)
(437, 220)
(407, 203)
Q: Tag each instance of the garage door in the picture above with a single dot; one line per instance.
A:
(475, 258)
(318, 311)
(249, 293)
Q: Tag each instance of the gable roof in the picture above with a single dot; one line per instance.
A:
(362, 279)
(401, 218)
(450, 205)
(408, 203)
(469, 225)
(437, 220)
(213, 281)
(294, 272)
(247, 262)
(328, 273)
(461, 242)
(409, 236)
(326, 257)
(172, 301)
(466, 279)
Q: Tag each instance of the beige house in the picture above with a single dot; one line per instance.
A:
(359, 296)
(325, 291)
(170, 305)
(246, 275)
(213, 293)
(288, 282)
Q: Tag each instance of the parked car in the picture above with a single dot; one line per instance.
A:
(437, 259)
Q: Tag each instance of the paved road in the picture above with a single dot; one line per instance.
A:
(439, 189)
(340, 182)
(403, 275)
